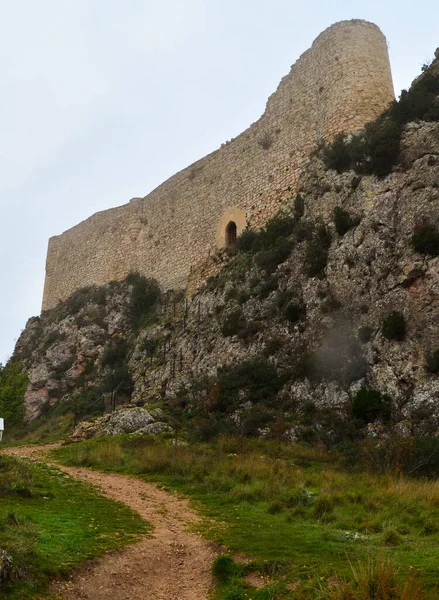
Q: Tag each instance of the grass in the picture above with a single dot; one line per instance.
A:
(289, 506)
(50, 523)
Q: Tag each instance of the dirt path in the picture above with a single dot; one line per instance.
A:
(171, 565)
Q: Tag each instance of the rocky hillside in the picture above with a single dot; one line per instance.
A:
(324, 322)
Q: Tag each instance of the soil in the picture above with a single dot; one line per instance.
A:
(169, 564)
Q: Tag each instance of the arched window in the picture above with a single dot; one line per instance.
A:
(231, 235)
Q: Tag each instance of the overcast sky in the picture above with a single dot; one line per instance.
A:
(102, 100)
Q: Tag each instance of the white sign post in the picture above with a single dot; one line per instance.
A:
(2, 426)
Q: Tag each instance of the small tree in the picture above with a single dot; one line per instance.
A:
(393, 327)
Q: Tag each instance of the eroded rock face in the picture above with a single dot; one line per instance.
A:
(371, 271)
(56, 347)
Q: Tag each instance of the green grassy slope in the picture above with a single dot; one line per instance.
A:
(296, 511)
(49, 523)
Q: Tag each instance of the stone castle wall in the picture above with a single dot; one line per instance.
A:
(339, 84)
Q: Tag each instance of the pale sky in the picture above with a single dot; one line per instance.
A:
(102, 100)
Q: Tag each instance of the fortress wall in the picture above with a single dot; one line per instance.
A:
(340, 83)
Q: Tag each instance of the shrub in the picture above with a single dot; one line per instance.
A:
(246, 240)
(316, 255)
(249, 329)
(233, 323)
(13, 384)
(294, 310)
(365, 333)
(264, 288)
(114, 355)
(224, 568)
(118, 379)
(273, 346)
(379, 149)
(432, 362)
(420, 102)
(376, 148)
(280, 226)
(144, 296)
(342, 220)
(330, 305)
(269, 259)
(393, 326)
(255, 379)
(425, 240)
(52, 338)
(369, 405)
(299, 207)
(336, 155)
(150, 345)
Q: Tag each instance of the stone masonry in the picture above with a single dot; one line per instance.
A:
(339, 84)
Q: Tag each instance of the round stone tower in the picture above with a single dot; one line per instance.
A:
(352, 76)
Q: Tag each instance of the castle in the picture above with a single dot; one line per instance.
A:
(339, 84)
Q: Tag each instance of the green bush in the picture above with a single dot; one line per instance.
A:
(393, 326)
(376, 149)
(13, 384)
(224, 568)
(365, 333)
(273, 346)
(425, 240)
(246, 240)
(336, 155)
(316, 255)
(256, 379)
(275, 507)
(424, 457)
(432, 362)
(269, 259)
(114, 355)
(342, 220)
(379, 149)
(420, 102)
(264, 287)
(294, 311)
(273, 235)
(52, 338)
(369, 405)
(233, 323)
(299, 207)
(119, 378)
(280, 226)
(145, 294)
(330, 305)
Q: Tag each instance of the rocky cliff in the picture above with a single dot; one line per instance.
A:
(338, 293)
